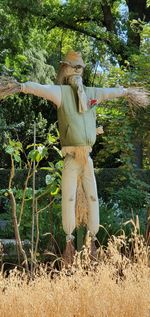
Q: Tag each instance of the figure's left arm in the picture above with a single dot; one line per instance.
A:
(102, 94)
(137, 97)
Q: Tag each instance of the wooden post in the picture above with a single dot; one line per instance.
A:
(80, 235)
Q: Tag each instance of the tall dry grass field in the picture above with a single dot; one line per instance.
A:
(115, 286)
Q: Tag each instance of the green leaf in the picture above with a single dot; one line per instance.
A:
(17, 158)
(7, 62)
(58, 151)
(59, 164)
(32, 155)
(55, 191)
(50, 169)
(51, 138)
(9, 149)
(49, 179)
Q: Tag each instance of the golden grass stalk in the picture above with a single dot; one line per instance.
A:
(138, 97)
(79, 294)
(113, 286)
(8, 86)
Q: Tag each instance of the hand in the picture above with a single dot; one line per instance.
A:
(138, 97)
(99, 130)
(8, 86)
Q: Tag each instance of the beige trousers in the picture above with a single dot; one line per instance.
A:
(71, 171)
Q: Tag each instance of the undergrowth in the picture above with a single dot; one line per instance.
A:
(116, 284)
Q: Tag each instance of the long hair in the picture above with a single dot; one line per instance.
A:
(61, 78)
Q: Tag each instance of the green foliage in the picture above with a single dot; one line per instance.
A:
(123, 126)
(117, 135)
(35, 35)
(132, 198)
(32, 206)
(38, 154)
(53, 178)
(116, 218)
(14, 149)
(40, 71)
(124, 205)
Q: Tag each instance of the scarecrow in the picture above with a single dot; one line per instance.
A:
(76, 113)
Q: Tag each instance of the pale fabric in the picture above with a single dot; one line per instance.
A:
(82, 99)
(75, 81)
(71, 171)
(102, 94)
(48, 92)
(53, 92)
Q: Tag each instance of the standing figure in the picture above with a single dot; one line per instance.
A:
(77, 127)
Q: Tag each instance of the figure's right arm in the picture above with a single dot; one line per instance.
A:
(49, 92)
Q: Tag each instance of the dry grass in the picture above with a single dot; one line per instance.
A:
(114, 286)
(8, 86)
(138, 97)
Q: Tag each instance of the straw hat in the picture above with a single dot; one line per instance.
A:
(73, 58)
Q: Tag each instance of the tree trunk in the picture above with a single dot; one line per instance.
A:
(138, 12)
(138, 153)
(138, 9)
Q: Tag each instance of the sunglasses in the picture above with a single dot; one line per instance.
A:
(77, 67)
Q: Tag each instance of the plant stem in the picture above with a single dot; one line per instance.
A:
(33, 204)
(24, 194)
(14, 216)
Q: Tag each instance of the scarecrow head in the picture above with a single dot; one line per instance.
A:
(71, 68)
(70, 73)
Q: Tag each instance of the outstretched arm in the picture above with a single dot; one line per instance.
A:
(136, 97)
(49, 92)
(102, 94)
